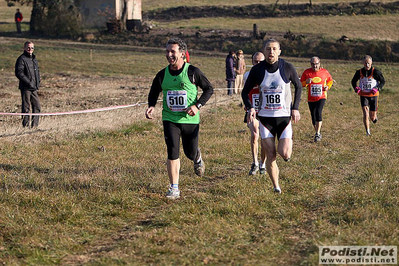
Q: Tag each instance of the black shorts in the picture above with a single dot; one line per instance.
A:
(276, 125)
(189, 135)
(371, 102)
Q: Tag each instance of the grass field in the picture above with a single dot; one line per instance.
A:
(89, 189)
(325, 26)
(66, 200)
(153, 4)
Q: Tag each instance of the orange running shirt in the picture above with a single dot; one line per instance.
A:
(320, 79)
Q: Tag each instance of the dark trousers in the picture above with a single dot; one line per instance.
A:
(230, 85)
(30, 98)
(18, 27)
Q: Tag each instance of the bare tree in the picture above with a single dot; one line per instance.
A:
(275, 5)
(52, 18)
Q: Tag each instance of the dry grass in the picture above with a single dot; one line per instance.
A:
(326, 26)
(153, 4)
(89, 189)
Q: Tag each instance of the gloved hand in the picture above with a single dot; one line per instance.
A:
(358, 89)
(325, 88)
(374, 91)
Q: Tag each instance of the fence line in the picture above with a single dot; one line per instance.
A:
(91, 110)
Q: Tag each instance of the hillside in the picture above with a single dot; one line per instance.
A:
(279, 10)
(295, 44)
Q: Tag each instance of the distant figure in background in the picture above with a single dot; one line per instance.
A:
(240, 70)
(18, 19)
(254, 124)
(230, 72)
(27, 71)
(318, 81)
(370, 84)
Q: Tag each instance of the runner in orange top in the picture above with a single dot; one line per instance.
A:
(318, 81)
(371, 82)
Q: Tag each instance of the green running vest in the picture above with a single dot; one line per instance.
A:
(178, 94)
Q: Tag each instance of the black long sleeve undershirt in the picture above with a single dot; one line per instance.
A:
(257, 74)
(194, 74)
(377, 75)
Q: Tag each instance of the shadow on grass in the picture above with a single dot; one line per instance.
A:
(30, 132)
(151, 222)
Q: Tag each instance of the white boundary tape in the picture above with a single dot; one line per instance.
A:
(76, 112)
(89, 110)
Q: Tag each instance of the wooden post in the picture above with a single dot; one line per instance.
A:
(255, 31)
(216, 106)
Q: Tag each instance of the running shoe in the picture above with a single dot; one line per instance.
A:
(254, 169)
(277, 190)
(317, 137)
(262, 171)
(375, 120)
(199, 168)
(173, 193)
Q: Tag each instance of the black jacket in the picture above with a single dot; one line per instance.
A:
(27, 71)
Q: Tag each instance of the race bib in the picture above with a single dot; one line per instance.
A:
(273, 101)
(255, 101)
(316, 90)
(367, 85)
(177, 100)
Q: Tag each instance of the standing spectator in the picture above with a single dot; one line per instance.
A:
(274, 77)
(18, 19)
(254, 125)
(370, 84)
(240, 70)
(179, 84)
(318, 81)
(230, 72)
(27, 71)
